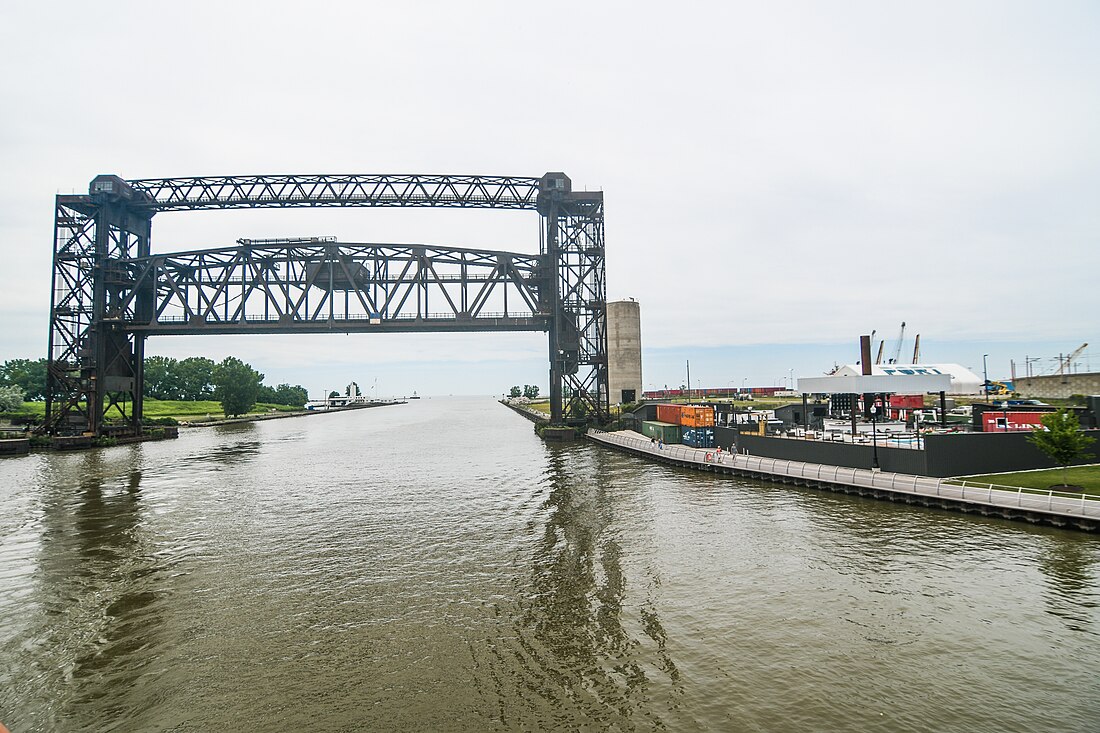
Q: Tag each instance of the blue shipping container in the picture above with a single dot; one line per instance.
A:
(697, 437)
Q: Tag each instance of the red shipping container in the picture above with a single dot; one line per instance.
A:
(669, 414)
(907, 401)
(997, 421)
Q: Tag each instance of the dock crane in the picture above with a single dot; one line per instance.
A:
(1064, 366)
(897, 351)
(916, 350)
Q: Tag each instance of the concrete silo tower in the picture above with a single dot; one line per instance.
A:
(624, 351)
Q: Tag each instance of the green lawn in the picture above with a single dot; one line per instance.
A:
(191, 411)
(178, 409)
(1085, 476)
(543, 406)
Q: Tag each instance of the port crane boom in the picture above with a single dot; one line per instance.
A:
(897, 351)
(1064, 366)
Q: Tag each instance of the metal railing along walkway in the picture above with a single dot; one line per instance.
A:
(1054, 507)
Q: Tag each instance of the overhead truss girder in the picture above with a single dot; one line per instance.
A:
(252, 192)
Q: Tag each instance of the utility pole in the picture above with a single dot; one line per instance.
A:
(985, 375)
(689, 378)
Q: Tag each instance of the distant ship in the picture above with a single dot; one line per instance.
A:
(414, 396)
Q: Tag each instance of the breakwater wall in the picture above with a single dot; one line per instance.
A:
(531, 414)
(283, 415)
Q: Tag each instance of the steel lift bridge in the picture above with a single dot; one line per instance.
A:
(110, 292)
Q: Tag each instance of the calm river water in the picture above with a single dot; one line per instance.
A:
(434, 566)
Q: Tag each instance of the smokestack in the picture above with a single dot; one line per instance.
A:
(865, 354)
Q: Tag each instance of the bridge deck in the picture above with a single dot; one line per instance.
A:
(1050, 507)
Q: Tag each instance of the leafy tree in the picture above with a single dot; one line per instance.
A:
(237, 386)
(1061, 438)
(287, 395)
(162, 378)
(266, 394)
(196, 378)
(515, 392)
(29, 375)
(11, 398)
(530, 391)
(333, 393)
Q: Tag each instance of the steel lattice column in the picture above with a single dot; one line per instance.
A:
(93, 358)
(578, 300)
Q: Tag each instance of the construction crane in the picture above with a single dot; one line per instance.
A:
(897, 351)
(1064, 366)
(916, 350)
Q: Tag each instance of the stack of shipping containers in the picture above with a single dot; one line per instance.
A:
(694, 425)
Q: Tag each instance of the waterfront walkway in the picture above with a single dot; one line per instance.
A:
(1080, 511)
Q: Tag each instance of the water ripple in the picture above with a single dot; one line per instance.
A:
(434, 566)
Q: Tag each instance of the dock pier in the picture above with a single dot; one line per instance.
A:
(1059, 509)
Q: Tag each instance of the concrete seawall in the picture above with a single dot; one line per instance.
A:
(14, 446)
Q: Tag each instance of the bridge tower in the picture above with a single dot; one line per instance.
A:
(578, 299)
(95, 365)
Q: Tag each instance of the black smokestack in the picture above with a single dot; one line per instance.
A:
(865, 354)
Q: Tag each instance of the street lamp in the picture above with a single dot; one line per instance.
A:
(985, 375)
(874, 435)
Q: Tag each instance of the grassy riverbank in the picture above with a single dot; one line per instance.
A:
(180, 410)
(1087, 477)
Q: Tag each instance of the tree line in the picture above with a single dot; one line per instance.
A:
(232, 382)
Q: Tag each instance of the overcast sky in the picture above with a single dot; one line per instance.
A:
(779, 177)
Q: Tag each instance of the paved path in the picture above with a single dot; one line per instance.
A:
(1061, 509)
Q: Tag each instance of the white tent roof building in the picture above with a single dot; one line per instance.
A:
(963, 381)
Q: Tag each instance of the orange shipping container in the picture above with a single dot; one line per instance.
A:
(696, 417)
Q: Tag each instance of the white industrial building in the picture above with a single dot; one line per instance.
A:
(963, 381)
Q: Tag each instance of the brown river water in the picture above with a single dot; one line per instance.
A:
(434, 566)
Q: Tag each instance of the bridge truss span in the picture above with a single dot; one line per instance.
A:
(110, 293)
(321, 286)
